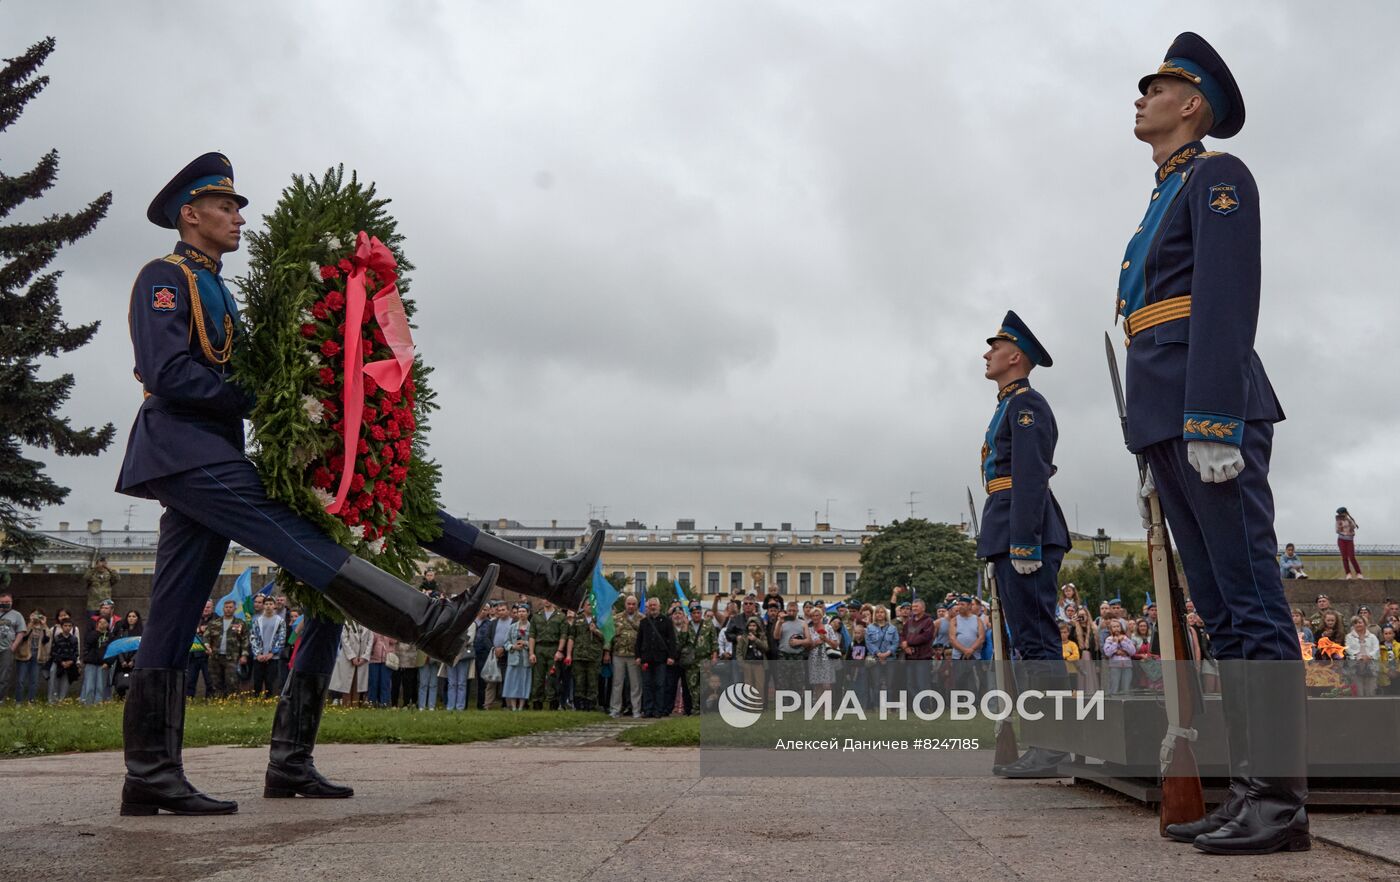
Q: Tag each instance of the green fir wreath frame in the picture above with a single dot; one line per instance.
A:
(295, 266)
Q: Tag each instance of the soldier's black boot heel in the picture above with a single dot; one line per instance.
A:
(392, 607)
(1234, 698)
(153, 733)
(565, 583)
(290, 769)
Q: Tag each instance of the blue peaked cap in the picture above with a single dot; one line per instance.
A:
(207, 175)
(1015, 330)
(1192, 59)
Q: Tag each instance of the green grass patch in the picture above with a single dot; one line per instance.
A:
(36, 729)
(670, 732)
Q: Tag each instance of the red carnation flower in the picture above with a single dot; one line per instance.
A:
(308, 330)
(364, 501)
(357, 483)
(322, 478)
(371, 415)
(372, 469)
(329, 272)
(319, 310)
(335, 301)
(351, 517)
(397, 474)
(338, 427)
(346, 265)
(337, 463)
(378, 334)
(362, 448)
(404, 448)
(386, 453)
(330, 405)
(330, 349)
(327, 376)
(371, 386)
(377, 432)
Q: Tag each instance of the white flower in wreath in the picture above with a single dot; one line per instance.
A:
(315, 271)
(358, 531)
(335, 244)
(377, 546)
(323, 497)
(315, 410)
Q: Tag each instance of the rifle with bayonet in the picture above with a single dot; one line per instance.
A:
(1182, 799)
(1007, 749)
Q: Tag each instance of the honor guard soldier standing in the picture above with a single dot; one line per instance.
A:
(549, 632)
(1202, 411)
(1024, 535)
(186, 451)
(585, 653)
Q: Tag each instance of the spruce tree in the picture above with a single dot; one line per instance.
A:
(32, 327)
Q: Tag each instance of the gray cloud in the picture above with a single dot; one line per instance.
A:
(729, 260)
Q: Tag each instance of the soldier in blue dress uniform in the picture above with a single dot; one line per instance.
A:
(1202, 411)
(1024, 535)
(186, 451)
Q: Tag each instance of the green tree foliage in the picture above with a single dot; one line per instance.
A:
(32, 327)
(933, 558)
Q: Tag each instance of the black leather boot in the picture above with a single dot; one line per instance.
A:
(565, 583)
(153, 734)
(1234, 705)
(1273, 816)
(392, 607)
(290, 769)
(1036, 762)
(1040, 762)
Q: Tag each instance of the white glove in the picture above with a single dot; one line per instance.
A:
(1025, 567)
(1146, 489)
(1216, 462)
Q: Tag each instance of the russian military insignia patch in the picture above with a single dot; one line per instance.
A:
(1224, 198)
(163, 298)
(1025, 419)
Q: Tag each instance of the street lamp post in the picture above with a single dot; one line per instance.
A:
(1102, 545)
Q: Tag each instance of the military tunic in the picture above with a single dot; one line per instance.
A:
(586, 642)
(550, 633)
(1021, 520)
(1189, 293)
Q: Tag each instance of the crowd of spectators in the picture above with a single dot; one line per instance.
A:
(517, 657)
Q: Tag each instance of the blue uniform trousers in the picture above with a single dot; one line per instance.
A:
(208, 506)
(1028, 604)
(1224, 534)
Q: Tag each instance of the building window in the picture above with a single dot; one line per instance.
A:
(639, 582)
(559, 545)
(804, 583)
(523, 543)
(663, 575)
(712, 582)
(736, 580)
(618, 575)
(782, 582)
(851, 583)
(683, 578)
(828, 583)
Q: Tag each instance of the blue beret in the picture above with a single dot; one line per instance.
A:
(1015, 330)
(210, 174)
(1192, 59)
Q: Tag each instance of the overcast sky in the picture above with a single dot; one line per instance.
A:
(731, 260)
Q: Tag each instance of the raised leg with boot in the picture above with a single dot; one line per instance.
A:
(564, 583)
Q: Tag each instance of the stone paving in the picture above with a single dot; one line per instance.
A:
(551, 811)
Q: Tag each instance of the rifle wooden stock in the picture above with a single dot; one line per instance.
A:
(1007, 749)
(1182, 798)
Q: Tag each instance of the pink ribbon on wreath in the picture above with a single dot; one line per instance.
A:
(389, 373)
